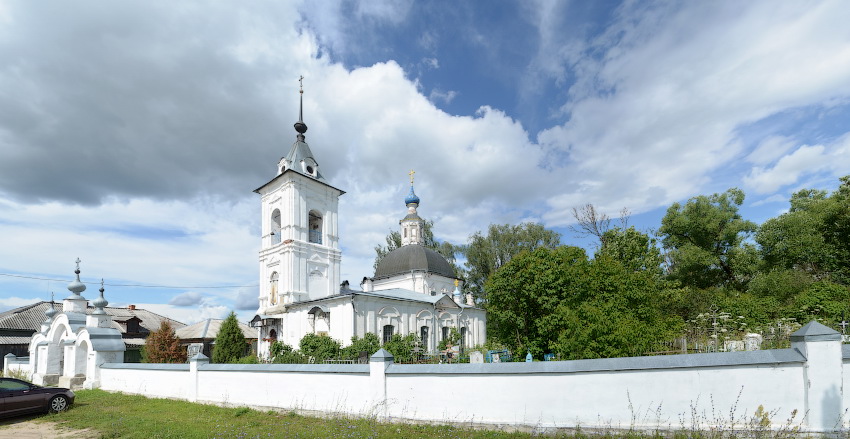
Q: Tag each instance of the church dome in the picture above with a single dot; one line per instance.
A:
(413, 257)
(411, 198)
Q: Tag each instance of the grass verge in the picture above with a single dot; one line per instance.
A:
(117, 415)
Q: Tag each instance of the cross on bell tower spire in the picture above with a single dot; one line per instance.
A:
(300, 126)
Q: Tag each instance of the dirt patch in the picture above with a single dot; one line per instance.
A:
(29, 429)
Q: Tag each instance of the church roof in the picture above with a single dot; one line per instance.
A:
(413, 257)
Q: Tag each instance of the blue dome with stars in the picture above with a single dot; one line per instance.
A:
(411, 198)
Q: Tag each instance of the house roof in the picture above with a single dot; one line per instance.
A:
(208, 329)
(30, 317)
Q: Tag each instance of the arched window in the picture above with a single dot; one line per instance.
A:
(272, 335)
(273, 289)
(275, 232)
(423, 336)
(445, 333)
(388, 333)
(462, 338)
(315, 227)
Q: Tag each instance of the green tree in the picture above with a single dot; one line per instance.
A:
(812, 237)
(163, 346)
(393, 240)
(636, 250)
(824, 301)
(486, 254)
(320, 347)
(230, 344)
(704, 240)
(560, 301)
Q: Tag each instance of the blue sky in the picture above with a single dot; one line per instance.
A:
(132, 134)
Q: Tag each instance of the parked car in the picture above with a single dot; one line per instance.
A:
(18, 397)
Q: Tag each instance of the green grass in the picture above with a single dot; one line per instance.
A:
(116, 415)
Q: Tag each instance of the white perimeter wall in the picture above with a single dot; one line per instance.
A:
(641, 392)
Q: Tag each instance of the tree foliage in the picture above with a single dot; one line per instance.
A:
(230, 344)
(487, 253)
(163, 346)
(320, 347)
(704, 240)
(557, 300)
(369, 344)
(636, 250)
(401, 347)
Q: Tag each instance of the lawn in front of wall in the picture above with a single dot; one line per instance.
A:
(117, 415)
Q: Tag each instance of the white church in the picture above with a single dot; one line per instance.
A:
(414, 289)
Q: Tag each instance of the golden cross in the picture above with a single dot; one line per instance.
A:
(411, 176)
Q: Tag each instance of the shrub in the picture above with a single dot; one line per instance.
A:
(401, 347)
(369, 344)
(284, 354)
(320, 347)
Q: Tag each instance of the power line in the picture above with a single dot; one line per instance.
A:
(131, 285)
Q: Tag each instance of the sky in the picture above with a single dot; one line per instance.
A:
(132, 134)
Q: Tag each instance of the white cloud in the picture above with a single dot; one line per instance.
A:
(805, 159)
(775, 198)
(770, 149)
(188, 298)
(190, 315)
(439, 95)
(660, 96)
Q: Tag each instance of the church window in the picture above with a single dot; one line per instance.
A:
(388, 333)
(309, 169)
(445, 333)
(423, 336)
(462, 338)
(273, 289)
(273, 335)
(315, 227)
(275, 232)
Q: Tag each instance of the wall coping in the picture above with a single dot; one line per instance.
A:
(146, 366)
(355, 369)
(714, 359)
(362, 369)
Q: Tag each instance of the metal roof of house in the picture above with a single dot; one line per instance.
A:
(208, 329)
(30, 317)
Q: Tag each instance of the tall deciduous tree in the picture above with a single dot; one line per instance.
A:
(704, 239)
(487, 253)
(558, 300)
(812, 237)
(163, 346)
(230, 344)
(636, 250)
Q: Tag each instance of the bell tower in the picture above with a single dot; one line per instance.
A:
(299, 255)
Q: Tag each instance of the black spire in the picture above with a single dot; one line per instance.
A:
(300, 126)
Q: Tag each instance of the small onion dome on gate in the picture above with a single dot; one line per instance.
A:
(413, 257)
